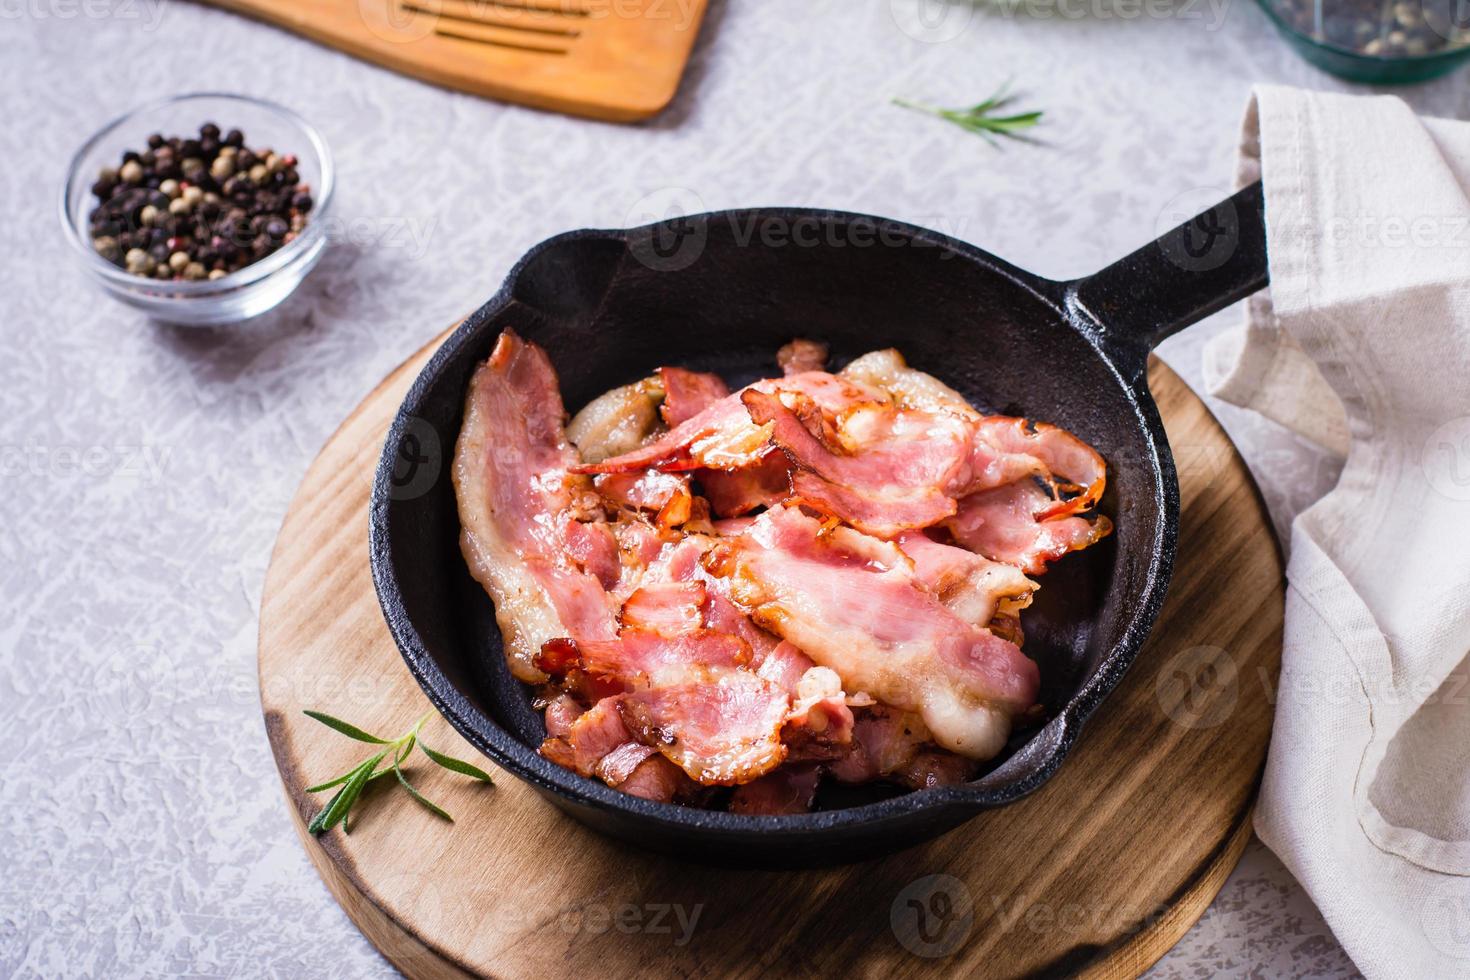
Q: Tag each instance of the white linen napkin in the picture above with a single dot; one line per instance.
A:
(1363, 345)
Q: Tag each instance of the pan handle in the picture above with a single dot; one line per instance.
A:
(1204, 265)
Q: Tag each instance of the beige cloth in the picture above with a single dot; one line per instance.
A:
(1363, 345)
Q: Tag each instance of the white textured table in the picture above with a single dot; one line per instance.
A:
(146, 468)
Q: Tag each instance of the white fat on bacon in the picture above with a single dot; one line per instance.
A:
(616, 421)
(853, 603)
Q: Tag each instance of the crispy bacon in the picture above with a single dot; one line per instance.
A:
(1009, 524)
(615, 422)
(883, 741)
(820, 723)
(1005, 449)
(599, 744)
(972, 586)
(643, 658)
(733, 493)
(935, 767)
(802, 355)
(1060, 459)
(790, 789)
(852, 603)
(723, 436)
(641, 490)
(658, 779)
(517, 499)
(561, 713)
(687, 393)
(894, 483)
(667, 607)
(718, 648)
(590, 738)
(722, 730)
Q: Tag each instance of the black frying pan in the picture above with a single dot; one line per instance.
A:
(722, 292)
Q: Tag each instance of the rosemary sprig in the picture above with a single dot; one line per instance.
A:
(355, 780)
(980, 118)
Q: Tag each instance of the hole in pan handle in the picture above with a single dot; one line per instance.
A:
(1204, 265)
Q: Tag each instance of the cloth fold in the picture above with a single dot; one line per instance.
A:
(1363, 345)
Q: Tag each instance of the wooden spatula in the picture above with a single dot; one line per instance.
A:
(609, 59)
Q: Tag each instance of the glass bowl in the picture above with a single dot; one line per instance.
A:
(247, 292)
(1379, 42)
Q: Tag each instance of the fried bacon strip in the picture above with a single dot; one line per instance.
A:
(852, 603)
(518, 503)
(972, 586)
(897, 478)
(693, 625)
(687, 393)
(1010, 524)
(800, 356)
(723, 437)
(722, 730)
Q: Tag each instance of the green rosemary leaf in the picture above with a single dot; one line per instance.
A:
(351, 784)
(337, 812)
(981, 119)
(346, 728)
(315, 827)
(456, 765)
(419, 796)
(331, 782)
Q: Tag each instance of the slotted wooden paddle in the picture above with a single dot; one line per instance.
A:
(619, 60)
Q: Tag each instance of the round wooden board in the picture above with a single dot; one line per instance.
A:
(1097, 874)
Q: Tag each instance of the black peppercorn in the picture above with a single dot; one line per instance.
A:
(187, 208)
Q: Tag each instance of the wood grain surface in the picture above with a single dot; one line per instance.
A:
(618, 60)
(1097, 874)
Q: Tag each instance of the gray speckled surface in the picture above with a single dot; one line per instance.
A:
(146, 468)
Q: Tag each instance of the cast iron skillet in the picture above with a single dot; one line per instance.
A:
(722, 292)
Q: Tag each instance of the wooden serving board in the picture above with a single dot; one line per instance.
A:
(1098, 873)
(619, 60)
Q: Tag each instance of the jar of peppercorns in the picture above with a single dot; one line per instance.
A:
(1383, 42)
(202, 209)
